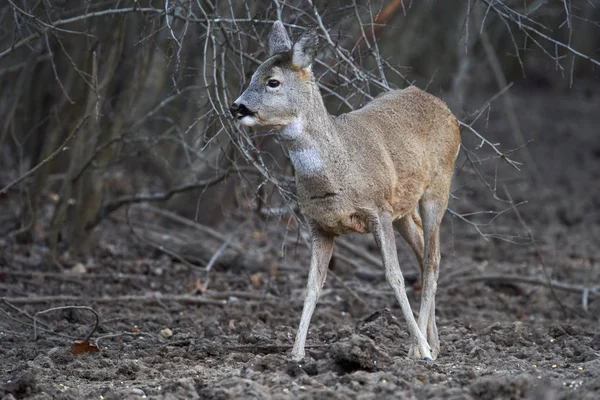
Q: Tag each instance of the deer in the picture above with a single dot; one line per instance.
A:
(385, 166)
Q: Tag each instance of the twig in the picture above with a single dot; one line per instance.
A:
(359, 252)
(349, 290)
(154, 197)
(56, 77)
(218, 254)
(47, 159)
(494, 147)
(2, 311)
(508, 104)
(66, 21)
(120, 334)
(23, 312)
(461, 281)
(271, 348)
(17, 67)
(538, 252)
(196, 300)
(70, 277)
(157, 246)
(525, 27)
(222, 248)
(196, 225)
(88, 336)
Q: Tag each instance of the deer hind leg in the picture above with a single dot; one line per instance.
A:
(383, 231)
(411, 229)
(432, 209)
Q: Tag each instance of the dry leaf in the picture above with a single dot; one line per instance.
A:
(198, 287)
(256, 279)
(83, 346)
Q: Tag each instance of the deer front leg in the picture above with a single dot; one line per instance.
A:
(383, 232)
(322, 247)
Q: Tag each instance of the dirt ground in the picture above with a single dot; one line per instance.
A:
(158, 338)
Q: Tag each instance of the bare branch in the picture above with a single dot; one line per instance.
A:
(46, 160)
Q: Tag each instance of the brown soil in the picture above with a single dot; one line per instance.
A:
(499, 339)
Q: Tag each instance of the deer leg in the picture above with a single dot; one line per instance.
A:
(431, 213)
(322, 248)
(383, 232)
(410, 228)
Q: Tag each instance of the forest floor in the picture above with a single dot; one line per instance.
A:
(168, 330)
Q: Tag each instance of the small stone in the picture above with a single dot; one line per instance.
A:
(166, 333)
(79, 269)
(138, 392)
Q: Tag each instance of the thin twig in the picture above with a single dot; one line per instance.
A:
(196, 300)
(47, 159)
(511, 279)
(538, 252)
(114, 205)
(526, 27)
(196, 225)
(349, 290)
(359, 252)
(22, 312)
(94, 312)
(159, 247)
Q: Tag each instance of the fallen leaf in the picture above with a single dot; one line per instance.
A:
(256, 279)
(198, 287)
(83, 346)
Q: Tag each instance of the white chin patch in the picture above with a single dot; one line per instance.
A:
(248, 120)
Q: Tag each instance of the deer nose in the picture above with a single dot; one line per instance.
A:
(239, 110)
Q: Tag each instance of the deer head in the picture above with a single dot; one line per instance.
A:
(282, 88)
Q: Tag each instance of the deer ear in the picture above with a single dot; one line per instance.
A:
(279, 41)
(305, 49)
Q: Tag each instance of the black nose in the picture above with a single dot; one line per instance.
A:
(239, 111)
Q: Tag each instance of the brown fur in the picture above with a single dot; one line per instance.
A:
(391, 151)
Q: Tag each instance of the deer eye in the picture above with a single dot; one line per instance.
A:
(273, 83)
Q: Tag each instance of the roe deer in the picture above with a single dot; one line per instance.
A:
(388, 164)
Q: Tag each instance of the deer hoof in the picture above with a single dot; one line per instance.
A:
(297, 356)
(417, 352)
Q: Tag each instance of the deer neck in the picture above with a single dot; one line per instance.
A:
(310, 139)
